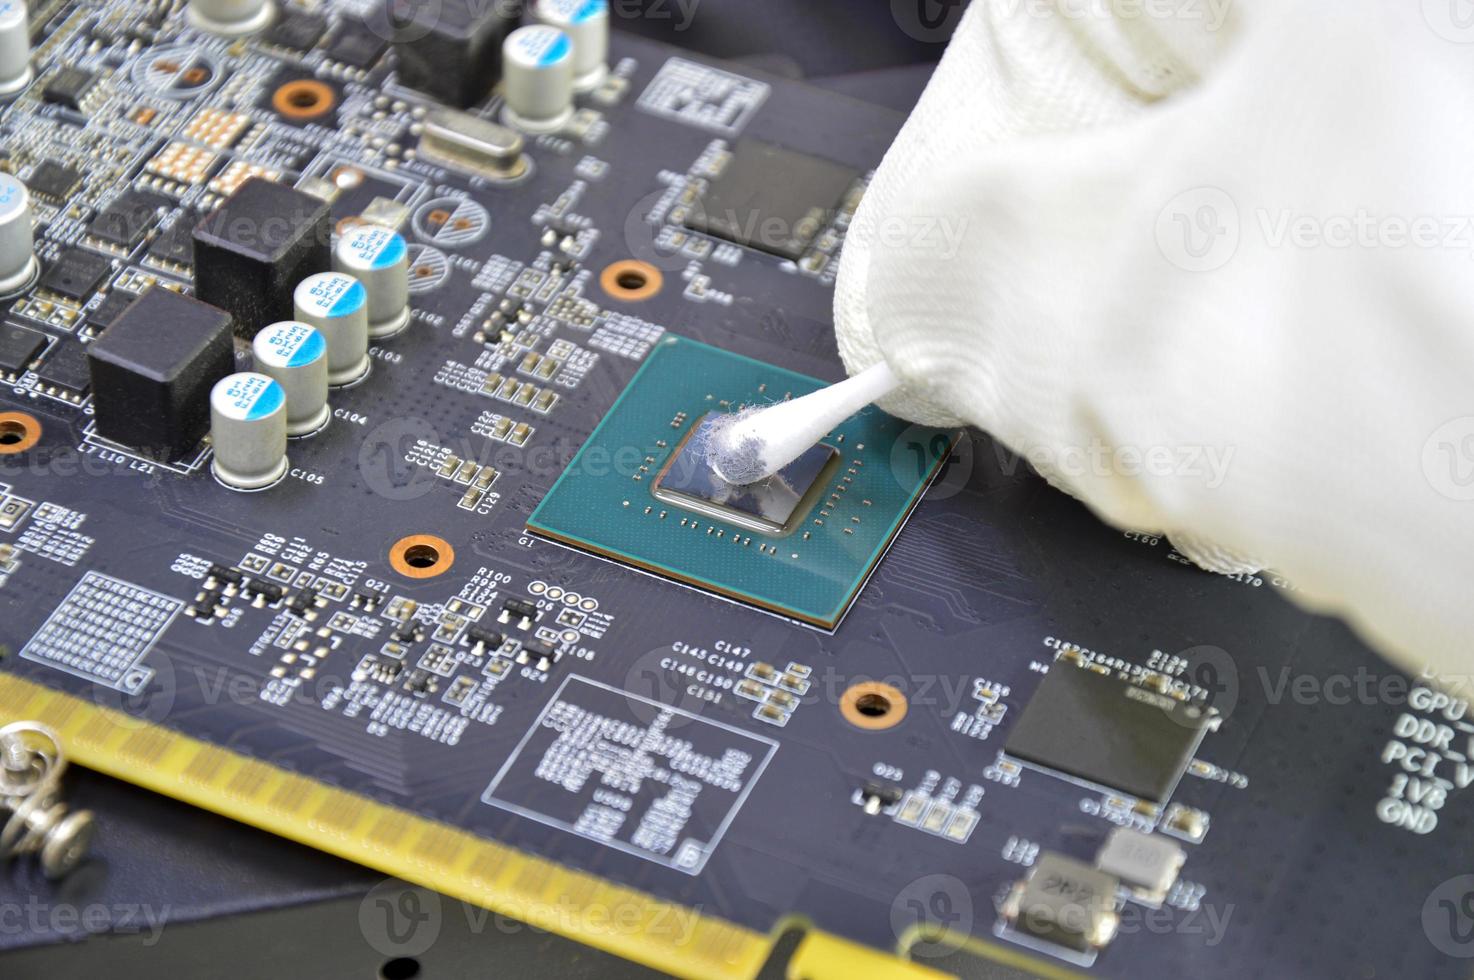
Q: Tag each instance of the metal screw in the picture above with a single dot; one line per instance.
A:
(33, 817)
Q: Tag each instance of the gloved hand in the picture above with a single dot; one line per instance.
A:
(1214, 278)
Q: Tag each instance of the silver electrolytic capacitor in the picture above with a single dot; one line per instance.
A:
(378, 258)
(15, 47)
(337, 304)
(229, 17)
(248, 427)
(17, 253)
(537, 78)
(586, 22)
(295, 355)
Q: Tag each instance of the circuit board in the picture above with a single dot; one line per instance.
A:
(995, 729)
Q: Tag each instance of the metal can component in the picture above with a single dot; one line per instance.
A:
(295, 355)
(379, 258)
(17, 254)
(248, 425)
(337, 305)
(229, 17)
(15, 47)
(586, 22)
(537, 78)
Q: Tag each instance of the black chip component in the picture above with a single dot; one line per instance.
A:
(421, 682)
(357, 47)
(69, 87)
(540, 655)
(772, 199)
(408, 633)
(225, 575)
(76, 274)
(875, 797)
(451, 49)
(125, 222)
(268, 592)
(297, 31)
(303, 602)
(18, 347)
(487, 639)
(520, 608)
(53, 180)
(175, 246)
(64, 373)
(250, 254)
(108, 311)
(1107, 731)
(153, 369)
(369, 600)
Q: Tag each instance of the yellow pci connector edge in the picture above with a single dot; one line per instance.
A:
(541, 893)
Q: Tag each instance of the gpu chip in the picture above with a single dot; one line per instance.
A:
(772, 199)
(1105, 730)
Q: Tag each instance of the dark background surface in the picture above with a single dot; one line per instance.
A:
(174, 891)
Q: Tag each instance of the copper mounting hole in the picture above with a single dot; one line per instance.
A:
(18, 432)
(423, 272)
(632, 280)
(438, 217)
(421, 556)
(873, 706)
(304, 98)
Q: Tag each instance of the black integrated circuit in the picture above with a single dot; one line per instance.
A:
(69, 87)
(64, 373)
(128, 220)
(297, 31)
(19, 346)
(76, 274)
(175, 245)
(53, 181)
(357, 47)
(1107, 731)
(772, 199)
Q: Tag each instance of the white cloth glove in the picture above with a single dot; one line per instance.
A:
(1209, 268)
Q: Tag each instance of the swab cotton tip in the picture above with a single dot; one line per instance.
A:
(755, 444)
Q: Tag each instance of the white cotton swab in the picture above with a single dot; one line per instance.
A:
(753, 445)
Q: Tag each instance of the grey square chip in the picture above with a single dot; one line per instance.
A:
(1065, 903)
(1105, 730)
(774, 506)
(772, 199)
(1148, 864)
